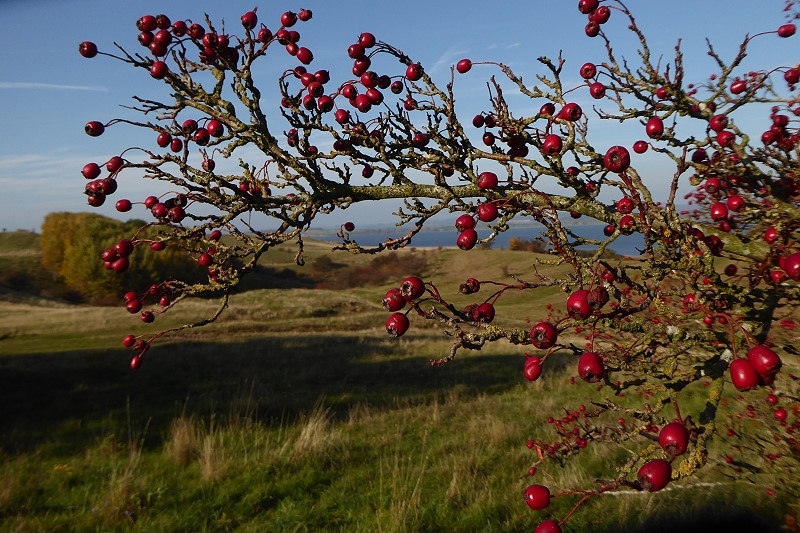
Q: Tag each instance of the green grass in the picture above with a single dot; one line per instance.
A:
(295, 412)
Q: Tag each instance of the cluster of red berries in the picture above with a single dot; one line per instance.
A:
(598, 15)
(576, 429)
(134, 303)
(98, 188)
(518, 139)
(580, 305)
(410, 289)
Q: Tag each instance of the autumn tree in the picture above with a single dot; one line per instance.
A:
(708, 308)
(73, 243)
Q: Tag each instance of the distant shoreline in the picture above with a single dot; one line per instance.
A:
(446, 238)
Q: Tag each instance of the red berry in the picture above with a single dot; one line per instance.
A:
(738, 87)
(464, 222)
(124, 247)
(571, 112)
(654, 475)
(592, 29)
(134, 306)
(414, 72)
(487, 180)
(578, 305)
(588, 71)
(791, 265)
(94, 128)
(205, 259)
(548, 526)
(412, 287)
(591, 368)
(289, 19)
(158, 70)
(484, 313)
(463, 66)
(543, 335)
(215, 128)
(597, 90)
(201, 136)
(625, 205)
(718, 122)
(304, 55)
(587, 6)
(394, 300)
(115, 164)
(164, 139)
(743, 376)
(533, 368)
(735, 203)
(150, 202)
(249, 20)
(123, 206)
(189, 126)
(617, 159)
(467, 239)
(601, 15)
(163, 22)
(674, 438)
(537, 497)
(771, 235)
(367, 40)
(627, 224)
(146, 23)
(726, 138)
(91, 171)
(397, 324)
(787, 30)
(552, 145)
(87, 49)
(487, 212)
(196, 31)
(654, 127)
(765, 362)
(421, 139)
(718, 211)
(771, 399)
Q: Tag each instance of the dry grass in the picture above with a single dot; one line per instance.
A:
(184, 441)
(317, 433)
(213, 455)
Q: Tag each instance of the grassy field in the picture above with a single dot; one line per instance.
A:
(295, 412)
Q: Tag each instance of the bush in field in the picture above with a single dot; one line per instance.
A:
(72, 243)
(708, 309)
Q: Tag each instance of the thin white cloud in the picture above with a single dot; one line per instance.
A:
(447, 59)
(52, 86)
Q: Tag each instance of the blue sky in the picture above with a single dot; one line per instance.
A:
(48, 91)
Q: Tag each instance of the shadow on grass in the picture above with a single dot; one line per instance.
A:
(71, 399)
(711, 518)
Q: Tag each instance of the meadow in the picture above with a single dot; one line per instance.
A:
(296, 412)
